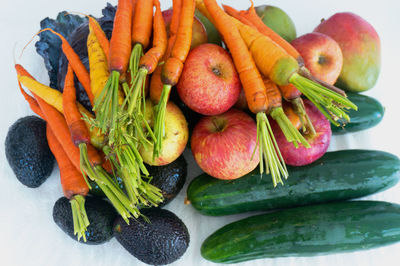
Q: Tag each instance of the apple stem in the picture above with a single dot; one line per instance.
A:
(300, 110)
(291, 133)
(269, 151)
(331, 104)
(159, 125)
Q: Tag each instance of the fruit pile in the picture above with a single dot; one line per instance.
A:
(130, 90)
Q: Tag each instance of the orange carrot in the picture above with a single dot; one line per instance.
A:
(151, 58)
(277, 113)
(76, 63)
(120, 43)
(71, 179)
(106, 105)
(251, 15)
(74, 186)
(92, 162)
(236, 14)
(173, 66)
(142, 22)
(283, 69)
(156, 85)
(292, 115)
(273, 93)
(148, 63)
(100, 35)
(77, 127)
(172, 69)
(254, 88)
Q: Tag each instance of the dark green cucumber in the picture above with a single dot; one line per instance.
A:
(369, 114)
(306, 231)
(338, 175)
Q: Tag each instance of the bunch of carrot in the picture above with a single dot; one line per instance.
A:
(105, 145)
(259, 53)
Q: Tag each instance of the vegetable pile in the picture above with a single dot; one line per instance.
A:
(117, 130)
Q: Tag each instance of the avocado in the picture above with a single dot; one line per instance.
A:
(27, 151)
(101, 215)
(161, 241)
(169, 178)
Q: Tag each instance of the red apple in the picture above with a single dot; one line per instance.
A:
(223, 145)
(322, 56)
(319, 142)
(199, 33)
(209, 83)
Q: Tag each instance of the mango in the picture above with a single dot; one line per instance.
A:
(278, 21)
(361, 48)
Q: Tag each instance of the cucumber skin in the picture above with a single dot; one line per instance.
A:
(338, 175)
(306, 231)
(370, 113)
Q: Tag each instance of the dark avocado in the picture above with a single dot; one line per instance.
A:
(27, 151)
(169, 178)
(162, 241)
(101, 215)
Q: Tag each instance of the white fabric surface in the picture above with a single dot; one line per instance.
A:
(28, 235)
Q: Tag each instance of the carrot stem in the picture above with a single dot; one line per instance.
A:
(106, 105)
(330, 103)
(269, 151)
(291, 133)
(159, 126)
(79, 216)
(299, 109)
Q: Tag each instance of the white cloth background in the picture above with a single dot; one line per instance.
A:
(28, 235)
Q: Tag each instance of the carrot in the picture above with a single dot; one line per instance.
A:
(141, 32)
(255, 91)
(106, 105)
(282, 69)
(292, 115)
(277, 113)
(100, 36)
(172, 69)
(77, 127)
(54, 98)
(76, 63)
(98, 63)
(147, 65)
(289, 92)
(91, 164)
(150, 60)
(74, 186)
(31, 101)
(237, 14)
(251, 15)
(156, 85)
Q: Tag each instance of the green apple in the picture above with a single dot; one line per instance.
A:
(278, 21)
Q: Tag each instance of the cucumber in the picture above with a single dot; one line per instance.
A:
(338, 175)
(370, 113)
(306, 231)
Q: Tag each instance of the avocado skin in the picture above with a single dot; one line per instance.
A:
(169, 178)
(101, 215)
(27, 151)
(162, 241)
